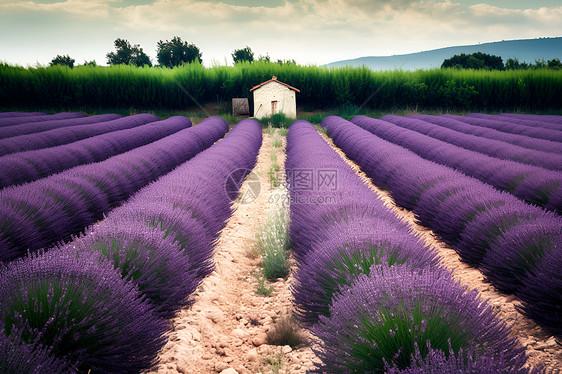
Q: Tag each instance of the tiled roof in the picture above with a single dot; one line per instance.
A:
(274, 79)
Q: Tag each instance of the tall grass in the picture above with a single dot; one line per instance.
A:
(273, 244)
(354, 89)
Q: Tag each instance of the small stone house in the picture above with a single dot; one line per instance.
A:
(272, 97)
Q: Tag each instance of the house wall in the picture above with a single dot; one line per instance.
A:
(273, 91)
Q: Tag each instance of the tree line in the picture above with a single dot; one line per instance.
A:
(172, 53)
(486, 61)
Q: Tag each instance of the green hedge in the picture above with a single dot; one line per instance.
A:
(321, 88)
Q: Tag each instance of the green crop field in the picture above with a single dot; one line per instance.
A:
(58, 87)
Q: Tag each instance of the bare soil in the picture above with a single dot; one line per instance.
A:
(224, 331)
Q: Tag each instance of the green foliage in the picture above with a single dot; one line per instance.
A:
(276, 363)
(277, 142)
(348, 89)
(125, 54)
(555, 64)
(277, 120)
(476, 61)
(515, 64)
(406, 328)
(262, 289)
(91, 63)
(244, 55)
(65, 60)
(177, 52)
(273, 244)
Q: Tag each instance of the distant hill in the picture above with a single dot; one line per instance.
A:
(527, 50)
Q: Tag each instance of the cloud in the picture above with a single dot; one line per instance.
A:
(310, 31)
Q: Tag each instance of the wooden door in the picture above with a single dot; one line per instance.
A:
(273, 107)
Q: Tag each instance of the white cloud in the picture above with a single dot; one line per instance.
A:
(310, 31)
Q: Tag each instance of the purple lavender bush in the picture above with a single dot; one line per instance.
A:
(27, 166)
(533, 117)
(9, 121)
(490, 225)
(491, 147)
(54, 208)
(337, 262)
(155, 264)
(533, 184)
(163, 238)
(439, 362)
(513, 128)
(515, 255)
(80, 307)
(334, 243)
(489, 228)
(489, 133)
(31, 128)
(384, 316)
(66, 135)
(18, 357)
(542, 291)
(20, 114)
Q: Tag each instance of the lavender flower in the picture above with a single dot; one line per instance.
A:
(10, 121)
(445, 313)
(437, 361)
(156, 264)
(80, 306)
(50, 210)
(18, 357)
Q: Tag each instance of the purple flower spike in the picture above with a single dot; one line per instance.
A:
(18, 357)
(429, 299)
(338, 262)
(438, 362)
(141, 254)
(542, 292)
(80, 307)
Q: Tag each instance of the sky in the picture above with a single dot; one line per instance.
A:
(308, 31)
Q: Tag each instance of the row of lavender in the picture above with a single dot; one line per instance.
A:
(458, 124)
(533, 126)
(51, 209)
(16, 118)
(142, 129)
(100, 303)
(517, 246)
(372, 293)
(83, 128)
(533, 184)
(36, 127)
(455, 132)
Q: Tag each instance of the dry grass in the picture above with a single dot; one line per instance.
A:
(286, 331)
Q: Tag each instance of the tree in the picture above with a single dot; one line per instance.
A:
(265, 58)
(282, 62)
(125, 54)
(65, 60)
(476, 60)
(555, 63)
(92, 63)
(244, 54)
(177, 52)
(515, 64)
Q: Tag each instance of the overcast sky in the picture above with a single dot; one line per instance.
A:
(308, 31)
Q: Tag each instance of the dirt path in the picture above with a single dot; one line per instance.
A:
(542, 348)
(225, 329)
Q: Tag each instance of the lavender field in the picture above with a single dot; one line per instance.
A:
(115, 233)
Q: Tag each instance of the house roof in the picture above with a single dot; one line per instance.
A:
(274, 79)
